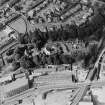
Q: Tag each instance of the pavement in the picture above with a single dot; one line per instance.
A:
(19, 25)
(41, 90)
(52, 98)
(52, 86)
(0, 96)
(79, 96)
(9, 46)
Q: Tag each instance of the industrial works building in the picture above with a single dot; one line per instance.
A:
(14, 88)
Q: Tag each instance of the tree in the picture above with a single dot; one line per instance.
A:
(81, 32)
(2, 26)
(56, 59)
(15, 65)
(37, 60)
(9, 59)
(20, 50)
(13, 2)
(30, 47)
(26, 62)
(64, 59)
(10, 52)
(23, 38)
(49, 60)
(43, 59)
(18, 7)
(17, 57)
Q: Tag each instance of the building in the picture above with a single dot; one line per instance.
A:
(87, 100)
(5, 79)
(85, 103)
(15, 87)
(99, 95)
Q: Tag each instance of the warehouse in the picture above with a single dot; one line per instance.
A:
(15, 87)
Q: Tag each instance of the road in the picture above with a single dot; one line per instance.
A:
(34, 92)
(67, 76)
(0, 95)
(98, 60)
(64, 22)
(47, 87)
(82, 92)
(8, 46)
(96, 66)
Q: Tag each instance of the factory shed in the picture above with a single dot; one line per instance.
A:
(15, 87)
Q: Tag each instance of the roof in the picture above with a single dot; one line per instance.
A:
(15, 85)
(19, 25)
(99, 94)
(85, 103)
(3, 79)
(25, 103)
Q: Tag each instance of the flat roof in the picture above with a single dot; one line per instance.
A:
(100, 94)
(19, 25)
(15, 84)
(85, 103)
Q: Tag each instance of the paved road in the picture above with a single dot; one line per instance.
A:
(97, 62)
(82, 92)
(0, 96)
(47, 87)
(34, 92)
(8, 46)
(97, 65)
(55, 76)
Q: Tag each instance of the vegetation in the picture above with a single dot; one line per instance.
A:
(90, 31)
(26, 62)
(10, 52)
(68, 32)
(10, 59)
(15, 65)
